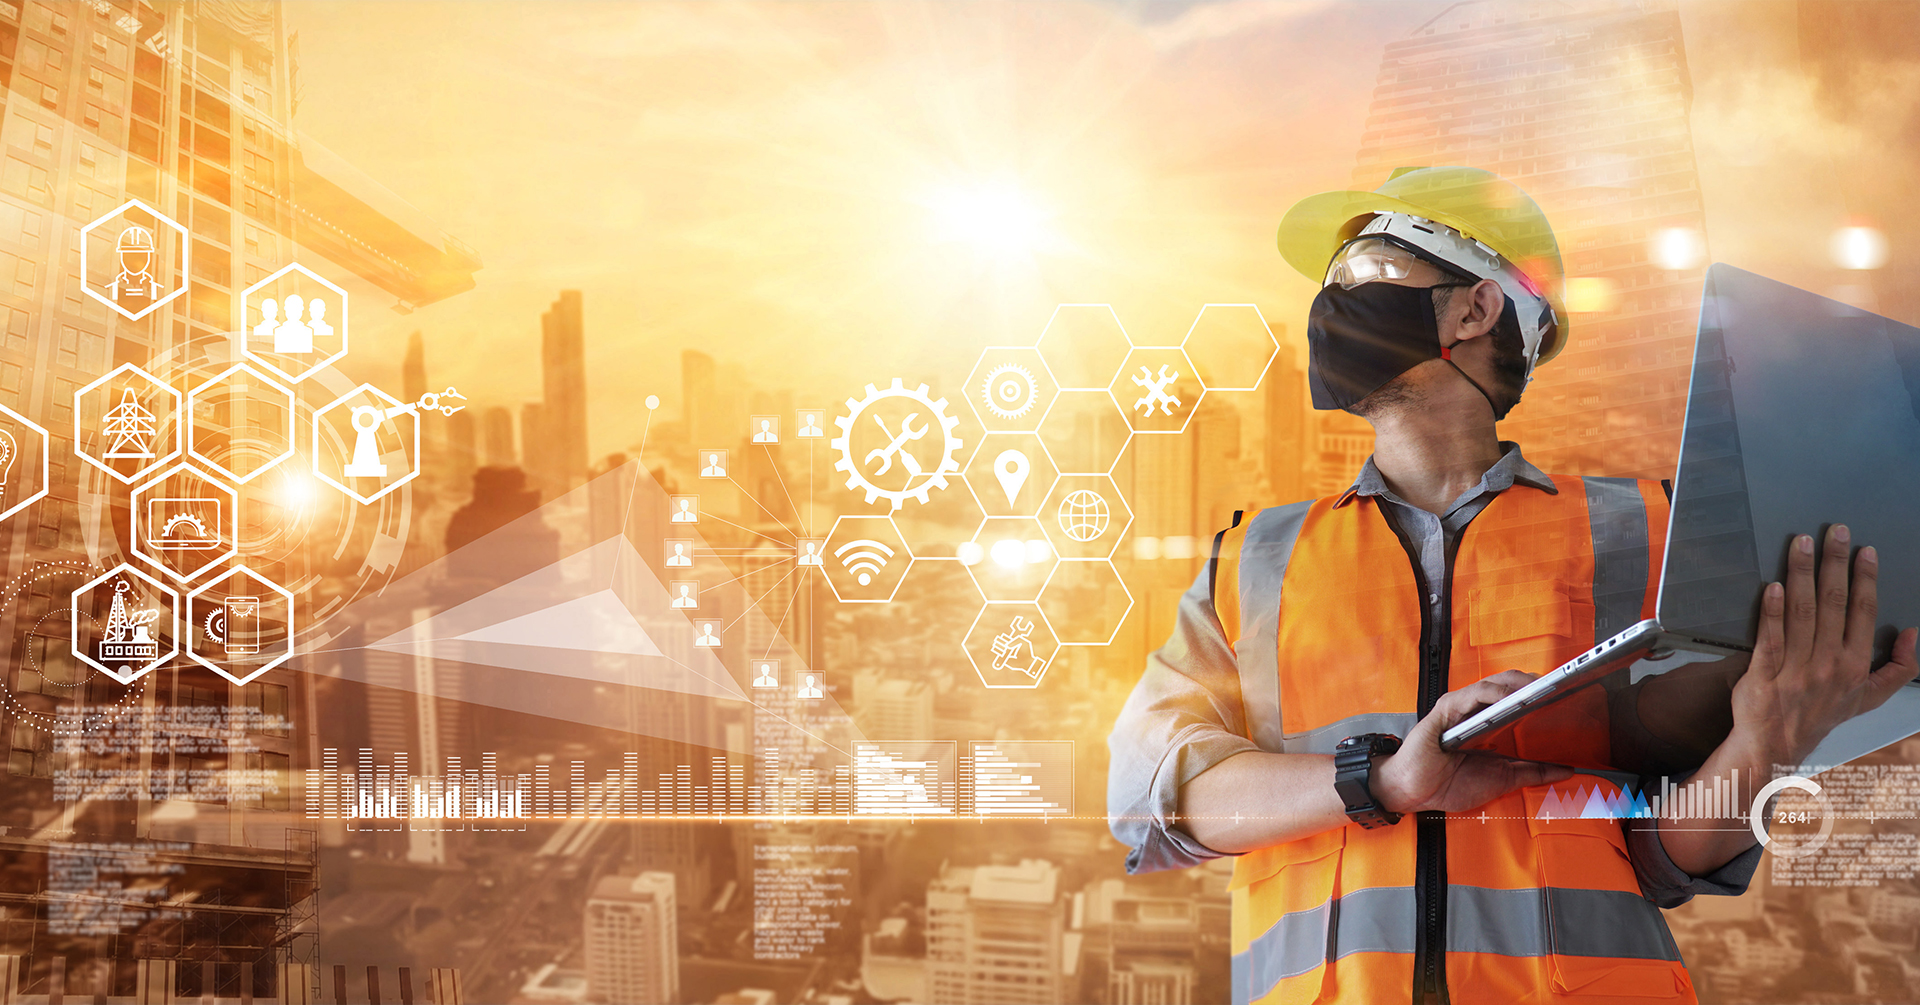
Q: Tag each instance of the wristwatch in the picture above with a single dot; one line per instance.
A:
(1353, 777)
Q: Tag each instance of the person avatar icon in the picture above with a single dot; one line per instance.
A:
(135, 281)
(810, 425)
(766, 677)
(811, 555)
(270, 319)
(684, 512)
(716, 468)
(686, 601)
(766, 433)
(707, 639)
(293, 335)
(316, 311)
(679, 558)
(811, 689)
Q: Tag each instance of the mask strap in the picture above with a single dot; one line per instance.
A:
(1446, 354)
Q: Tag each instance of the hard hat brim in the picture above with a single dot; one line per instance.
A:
(1317, 226)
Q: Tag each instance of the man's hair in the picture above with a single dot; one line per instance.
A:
(1509, 361)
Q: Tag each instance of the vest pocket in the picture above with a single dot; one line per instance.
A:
(1604, 940)
(1508, 611)
(1283, 909)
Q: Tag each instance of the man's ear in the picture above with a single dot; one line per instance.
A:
(1479, 310)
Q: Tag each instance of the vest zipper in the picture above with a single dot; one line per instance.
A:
(1430, 839)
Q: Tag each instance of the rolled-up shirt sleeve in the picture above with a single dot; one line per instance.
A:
(1668, 885)
(1183, 717)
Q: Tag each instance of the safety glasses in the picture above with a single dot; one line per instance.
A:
(1369, 259)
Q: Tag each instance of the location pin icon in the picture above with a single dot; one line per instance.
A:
(1011, 468)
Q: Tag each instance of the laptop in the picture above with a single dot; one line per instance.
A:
(1801, 412)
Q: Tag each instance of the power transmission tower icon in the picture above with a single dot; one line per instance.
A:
(132, 428)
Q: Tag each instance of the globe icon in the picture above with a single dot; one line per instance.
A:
(1084, 515)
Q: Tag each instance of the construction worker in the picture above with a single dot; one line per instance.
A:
(135, 284)
(1293, 720)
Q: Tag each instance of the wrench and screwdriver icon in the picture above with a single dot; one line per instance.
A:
(897, 442)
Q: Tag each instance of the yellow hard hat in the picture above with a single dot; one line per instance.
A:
(1481, 205)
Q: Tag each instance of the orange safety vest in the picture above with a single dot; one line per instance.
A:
(1326, 608)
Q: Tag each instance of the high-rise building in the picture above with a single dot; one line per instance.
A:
(189, 109)
(1287, 448)
(632, 940)
(1584, 104)
(496, 437)
(897, 709)
(995, 935)
(564, 382)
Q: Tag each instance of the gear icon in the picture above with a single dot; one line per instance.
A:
(1010, 390)
(920, 482)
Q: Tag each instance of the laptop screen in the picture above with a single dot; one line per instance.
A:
(1802, 412)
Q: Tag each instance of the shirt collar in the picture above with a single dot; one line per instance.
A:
(1509, 469)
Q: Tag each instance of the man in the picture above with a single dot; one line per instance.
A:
(1294, 718)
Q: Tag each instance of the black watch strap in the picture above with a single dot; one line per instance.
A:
(1353, 777)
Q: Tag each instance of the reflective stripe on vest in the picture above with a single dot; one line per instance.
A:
(1322, 607)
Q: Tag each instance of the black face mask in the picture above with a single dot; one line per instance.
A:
(1359, 339)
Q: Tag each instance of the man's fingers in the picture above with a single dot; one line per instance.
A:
(1457, 705)
(1863, 608)
(1830, 621)
(1901, 666)
(1802, 606)
(1770, 649)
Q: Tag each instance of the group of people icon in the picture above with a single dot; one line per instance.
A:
(293, 335)
(767, 676)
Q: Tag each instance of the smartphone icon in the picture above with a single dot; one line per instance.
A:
(242, 635)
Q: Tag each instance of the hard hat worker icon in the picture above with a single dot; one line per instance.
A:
(135, 281)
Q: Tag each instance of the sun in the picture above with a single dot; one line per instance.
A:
(998, 219)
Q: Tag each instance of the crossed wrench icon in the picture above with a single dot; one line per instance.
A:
(907, 432)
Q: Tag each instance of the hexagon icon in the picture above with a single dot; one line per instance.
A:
(240, 423)
(1085, 516)
(185, 522)
(1011, 645)
(1085, 602)
(1010, 559)
(127, 423)
(1157, 390)
(131, 623)
(1010, 474)
(1010, 389)
(293, 323)
(240, 625)
(1084, 345)
(940, 528)
(376, 443)
(866, 559)
(25, 448)
(1084, 431)
(1230, 346)
(134, 259)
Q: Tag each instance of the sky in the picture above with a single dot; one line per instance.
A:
(827, 194)
(831, 194)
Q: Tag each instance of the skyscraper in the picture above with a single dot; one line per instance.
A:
(564, 383)
(496, 436)
(1583, 104)
(632, 940)
(995, 935)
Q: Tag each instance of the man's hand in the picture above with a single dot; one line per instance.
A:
(1420, 776)
(1812, 666)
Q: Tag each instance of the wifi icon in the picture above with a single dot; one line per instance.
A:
(864, 558)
